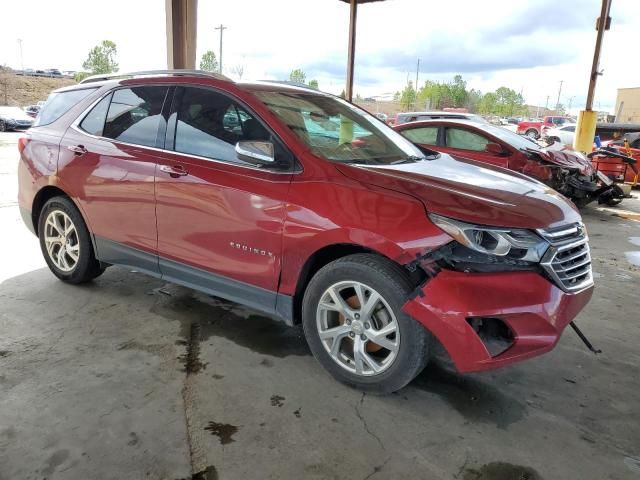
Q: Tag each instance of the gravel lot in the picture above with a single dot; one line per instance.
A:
(130, 378)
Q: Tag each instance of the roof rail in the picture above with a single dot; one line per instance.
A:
(293, 84)
(177, 72)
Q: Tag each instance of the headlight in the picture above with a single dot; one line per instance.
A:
(514, 243)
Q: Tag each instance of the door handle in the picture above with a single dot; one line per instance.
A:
(77, 149)
(176, 171)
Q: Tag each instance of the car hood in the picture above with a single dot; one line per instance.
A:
(563, 157)
(471, 192)
(18, 115)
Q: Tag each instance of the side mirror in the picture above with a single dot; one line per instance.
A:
(256, 152)
(495, 149)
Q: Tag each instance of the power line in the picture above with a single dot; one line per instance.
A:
(222, 28)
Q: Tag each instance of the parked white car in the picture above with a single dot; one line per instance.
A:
(563, 134)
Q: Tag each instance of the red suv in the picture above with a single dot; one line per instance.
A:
(303, 206)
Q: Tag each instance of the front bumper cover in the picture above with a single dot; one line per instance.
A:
(535, 310)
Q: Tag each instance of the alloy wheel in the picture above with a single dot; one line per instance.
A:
(358, 328)
(61, 240)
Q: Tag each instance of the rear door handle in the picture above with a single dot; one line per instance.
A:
(77, 149)
(176, 171)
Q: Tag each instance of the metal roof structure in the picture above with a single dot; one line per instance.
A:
(175, 72)
(181, 18)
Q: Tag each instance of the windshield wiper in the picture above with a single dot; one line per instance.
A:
(409, 159)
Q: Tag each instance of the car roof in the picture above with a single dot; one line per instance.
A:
(437, 113)
(446, 121)
(98, 81)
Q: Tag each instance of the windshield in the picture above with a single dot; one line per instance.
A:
(338, 131)
(517, 141)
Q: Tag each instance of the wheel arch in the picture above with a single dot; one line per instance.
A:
(44, 194)
(327, 254)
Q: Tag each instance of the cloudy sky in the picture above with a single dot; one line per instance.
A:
(528, 45)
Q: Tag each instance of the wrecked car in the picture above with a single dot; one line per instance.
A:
(569, 172)
(308, 209)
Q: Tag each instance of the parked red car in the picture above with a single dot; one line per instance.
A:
(566, 171)
(301, 205)
(537, 129)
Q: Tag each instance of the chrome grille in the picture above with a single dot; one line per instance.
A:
(568, 259)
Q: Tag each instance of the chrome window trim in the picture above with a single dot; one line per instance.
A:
(75, 125)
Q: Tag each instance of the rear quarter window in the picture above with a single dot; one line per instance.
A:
(60, 103)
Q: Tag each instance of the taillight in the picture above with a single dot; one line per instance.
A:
(22, 144)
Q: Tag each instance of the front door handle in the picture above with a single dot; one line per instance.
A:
(176, 171)
(77, 149)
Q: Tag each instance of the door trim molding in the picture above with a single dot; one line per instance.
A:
(257, 298)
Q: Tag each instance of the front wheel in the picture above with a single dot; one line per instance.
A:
(65, 242)
(354, 324)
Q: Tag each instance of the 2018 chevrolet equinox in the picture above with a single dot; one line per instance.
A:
(301, 205)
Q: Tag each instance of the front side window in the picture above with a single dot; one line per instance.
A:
(209, 124)
(60, 103)
(337, 130)
(465, 140)
(135, 114)
(422, 135)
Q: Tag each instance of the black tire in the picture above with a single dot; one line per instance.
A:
(532, 133)
(86, 267)
(3, 126)
(392, 283)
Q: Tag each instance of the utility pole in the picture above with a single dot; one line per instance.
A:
(587, 119)
(21, 60)
(570, 102)
(222, 28)
(559, 92)
(416, 86)
(546, 106)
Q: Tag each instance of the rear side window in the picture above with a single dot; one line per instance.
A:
(135, 114)
(59, 103)
(458, 138)
(423, 135)
(93, 123)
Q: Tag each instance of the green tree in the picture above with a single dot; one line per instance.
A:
(314, 84)
(79, 76)
(487, 105)
(474, 97)
(102, 58)
(298, 76)
(343, 94)
(408, 96)
(209, 62)
(458, 91)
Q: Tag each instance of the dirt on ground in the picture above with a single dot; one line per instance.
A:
(18, 91)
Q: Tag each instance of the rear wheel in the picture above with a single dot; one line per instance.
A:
(355, 326)
(65, 242)
(532, 133)
(3, 126)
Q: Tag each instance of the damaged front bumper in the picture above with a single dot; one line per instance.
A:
(488, 320)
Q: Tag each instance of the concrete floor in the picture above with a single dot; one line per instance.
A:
(132, 378)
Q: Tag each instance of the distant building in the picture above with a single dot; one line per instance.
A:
(628, 105)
